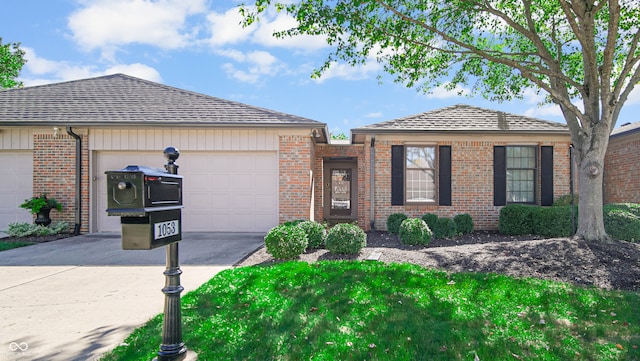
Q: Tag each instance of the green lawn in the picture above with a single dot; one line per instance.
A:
(344, 310)
(11, 245)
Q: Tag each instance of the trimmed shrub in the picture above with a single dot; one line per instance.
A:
(431, 220)
(295, 222)
(565, 200)
(445, 228)
(394, 221)
(630, 207)
(553, 221)
(620, 223)
(414, 231)
(24, 229)
(464, 223)
(345, 238)
(316, 233)
(516, 219)
(286, 241)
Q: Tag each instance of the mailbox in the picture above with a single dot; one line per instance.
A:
(149, 202)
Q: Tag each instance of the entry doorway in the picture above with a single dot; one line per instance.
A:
(340, 189)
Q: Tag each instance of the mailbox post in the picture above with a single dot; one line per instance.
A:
(149, 202)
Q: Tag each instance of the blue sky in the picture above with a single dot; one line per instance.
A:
(198, 45)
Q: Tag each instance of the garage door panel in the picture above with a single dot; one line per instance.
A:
(223, 191)
(17, 186)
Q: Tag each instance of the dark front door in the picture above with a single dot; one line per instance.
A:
(340, 190)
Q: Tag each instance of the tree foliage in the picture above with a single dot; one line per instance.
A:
(11, 62)
(583, 54)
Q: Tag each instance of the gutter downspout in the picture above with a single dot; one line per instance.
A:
(78, 197)
(372, 212)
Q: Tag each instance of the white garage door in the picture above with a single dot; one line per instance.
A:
(17, 186)
(223, 191)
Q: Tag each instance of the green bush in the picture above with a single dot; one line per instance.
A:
(464, 223)
(565, 200)
(629, 207)
(431, 220)
(394, 221)
(516, 219)
(414, 231)
(286, 241)
(295, 222)
(24, 229)
(553, 221)
(345, 238)
(316, 233)
(620, 223)
(445, 228)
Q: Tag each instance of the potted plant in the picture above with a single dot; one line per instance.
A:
(41, 206)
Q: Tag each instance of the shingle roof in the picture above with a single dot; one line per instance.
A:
(121, 99)
(626, 129)
(465, 118)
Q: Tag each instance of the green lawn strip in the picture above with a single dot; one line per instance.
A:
(4, 246)
(344, 310)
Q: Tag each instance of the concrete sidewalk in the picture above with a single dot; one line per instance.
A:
(77, 298)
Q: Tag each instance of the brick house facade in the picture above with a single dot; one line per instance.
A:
(248, 168)
(621, 180)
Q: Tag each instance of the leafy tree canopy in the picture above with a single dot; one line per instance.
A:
(11, 62)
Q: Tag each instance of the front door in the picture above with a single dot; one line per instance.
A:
(340, 190)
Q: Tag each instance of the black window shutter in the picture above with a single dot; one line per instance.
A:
(499, 176)
(397, 175)
(444, 175)
(546, 175)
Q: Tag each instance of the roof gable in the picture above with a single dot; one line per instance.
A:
(121, 99)
(465, 118)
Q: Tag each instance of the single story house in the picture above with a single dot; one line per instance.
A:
(621, 177)
(247, 168)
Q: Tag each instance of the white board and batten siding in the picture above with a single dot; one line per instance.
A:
(230, 175)
(16, 157)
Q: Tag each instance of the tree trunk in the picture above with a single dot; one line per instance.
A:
(590, 210)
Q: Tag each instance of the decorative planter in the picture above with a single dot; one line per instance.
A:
(42, 218)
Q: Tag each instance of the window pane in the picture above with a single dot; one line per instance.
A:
(421, 157)
(520, 186)
(420, 185)
(420, 174)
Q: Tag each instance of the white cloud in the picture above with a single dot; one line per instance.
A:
(634, 96)
(544, 111)
(137, 70)
(442, 93)
(226, 28)
(44, 71)
(107, 24)
(269, 24)
(259, 64)
(374, 115)
(348, 72)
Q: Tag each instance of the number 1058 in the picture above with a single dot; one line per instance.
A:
(166, 229)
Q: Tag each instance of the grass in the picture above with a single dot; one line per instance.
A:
(4, 246)
(342, 310)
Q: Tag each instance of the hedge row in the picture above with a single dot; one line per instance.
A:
(621, 221)
(289, 240)
(436, 227)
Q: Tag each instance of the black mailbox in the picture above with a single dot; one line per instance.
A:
(149, 202)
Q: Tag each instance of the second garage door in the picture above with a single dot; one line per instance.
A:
(223, 191)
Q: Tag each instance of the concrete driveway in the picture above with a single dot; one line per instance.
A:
(77, 298)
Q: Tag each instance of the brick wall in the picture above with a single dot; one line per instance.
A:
(295, 164)
(54, 173)
(621, 181)
(471, 182)
(326, 151)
